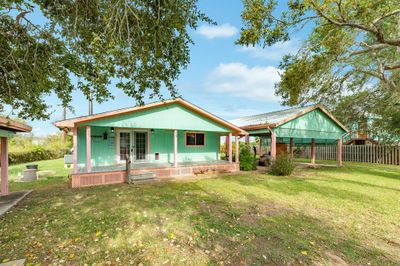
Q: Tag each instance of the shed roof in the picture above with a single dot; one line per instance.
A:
(277, 118)
(13, 126)
(267, 118)
(70, 123)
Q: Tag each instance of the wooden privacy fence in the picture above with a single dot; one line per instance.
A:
(382, 154)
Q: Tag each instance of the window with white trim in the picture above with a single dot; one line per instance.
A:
(194, 139)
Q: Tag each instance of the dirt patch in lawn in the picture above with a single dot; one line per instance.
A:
(253, 214)
(334, 259)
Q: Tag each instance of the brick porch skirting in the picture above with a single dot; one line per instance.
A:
(116, 177)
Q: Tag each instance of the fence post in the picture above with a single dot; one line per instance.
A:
(339, 152)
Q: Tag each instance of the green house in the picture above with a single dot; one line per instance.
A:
(162, 139)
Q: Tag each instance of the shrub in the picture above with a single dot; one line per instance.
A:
(248, 161)
(282, 166)
(35, 154)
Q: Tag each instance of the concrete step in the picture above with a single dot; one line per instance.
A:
(141, 177)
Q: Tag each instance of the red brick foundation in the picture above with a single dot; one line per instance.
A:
(116, 177)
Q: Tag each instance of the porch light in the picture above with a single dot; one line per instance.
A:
(112, 130)
(152, 131)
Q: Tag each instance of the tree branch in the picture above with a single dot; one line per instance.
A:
(394, 12)
(392, 66)
(375, 31)
(21, 16)
(370, 49)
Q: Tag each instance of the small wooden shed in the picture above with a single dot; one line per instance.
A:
(8, 128)
(309, 125)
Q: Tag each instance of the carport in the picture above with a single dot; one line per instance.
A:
(282, 130)
(8, 128)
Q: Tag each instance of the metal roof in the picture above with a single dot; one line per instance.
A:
(275, 117)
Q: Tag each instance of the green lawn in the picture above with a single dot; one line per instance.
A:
(54, 174)
(317, 216)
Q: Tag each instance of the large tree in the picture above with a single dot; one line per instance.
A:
(350, 61)
(142, 44)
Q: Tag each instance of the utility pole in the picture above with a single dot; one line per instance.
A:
(64, 134)
(90, 104)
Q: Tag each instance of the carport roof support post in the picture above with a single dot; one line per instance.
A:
(4, 166)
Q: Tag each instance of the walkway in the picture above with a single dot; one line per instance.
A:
(10, 200)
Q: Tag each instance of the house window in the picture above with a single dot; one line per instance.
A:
(195, 139)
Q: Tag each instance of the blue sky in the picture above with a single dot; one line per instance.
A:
(225, 79)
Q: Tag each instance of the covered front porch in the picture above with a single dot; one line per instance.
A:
(97, 148)
(107, 155)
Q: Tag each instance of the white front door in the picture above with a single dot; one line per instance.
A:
(133, 145)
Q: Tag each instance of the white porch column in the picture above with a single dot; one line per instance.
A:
(237, 148)
(260, 146)
(273, 146)
(4, 166)
(229, 142)
(313, 151)
(175, 148)
(339, 154)
(75, 148)
(88, 150)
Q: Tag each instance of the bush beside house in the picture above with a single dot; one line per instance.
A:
(36, 154)
(248, 160)
(28, 148)
(282, 166)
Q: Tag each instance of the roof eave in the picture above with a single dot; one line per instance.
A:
(15, 126)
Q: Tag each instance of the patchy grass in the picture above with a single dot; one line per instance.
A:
(317, 216)
(53, 173)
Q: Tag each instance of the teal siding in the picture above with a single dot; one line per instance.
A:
(305, 141)
(258, 131)
(208, 152)
(161, 141)
(81, 146)
(315, 124)
(165, 117)
(102, 151)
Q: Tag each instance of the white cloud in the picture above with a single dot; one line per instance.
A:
(237, 79)
(274, 52)
(220, 31)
